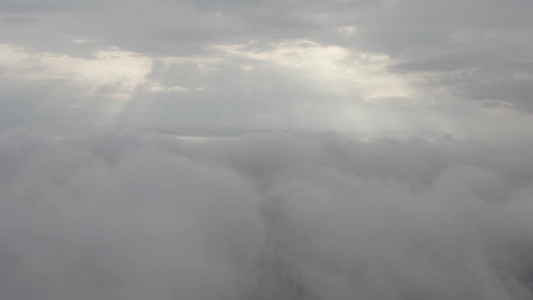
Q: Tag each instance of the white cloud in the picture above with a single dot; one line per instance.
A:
(112, 73)
(340, 70)
(158, 87)
(347, 31)
(122, 71)
(296, 54)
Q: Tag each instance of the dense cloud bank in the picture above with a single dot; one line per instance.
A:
(264, 216)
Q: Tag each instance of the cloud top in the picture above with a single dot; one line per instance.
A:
(263, 216)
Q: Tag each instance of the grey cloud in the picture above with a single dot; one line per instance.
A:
(494, 75)
(386, 26)
(47, 6)
(482, 41)
(468, 51)
(268, 215)
(170, 28)
(290, 216)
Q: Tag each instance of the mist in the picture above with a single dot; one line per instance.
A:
(123, 215)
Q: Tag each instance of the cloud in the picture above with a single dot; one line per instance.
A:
(113, 73)
(237, 62)
(285, 216)
(229, 215)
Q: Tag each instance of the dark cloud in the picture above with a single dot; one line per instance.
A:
(502, 74)
(479, 45)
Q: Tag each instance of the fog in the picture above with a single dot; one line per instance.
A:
(122, 215)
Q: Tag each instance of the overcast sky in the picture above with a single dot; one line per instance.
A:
(390, 67)
(100, 200)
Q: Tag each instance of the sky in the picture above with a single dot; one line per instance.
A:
(246, 150)
(369, 68)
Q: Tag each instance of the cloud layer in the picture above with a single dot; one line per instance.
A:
(279, 65)
(263, 216)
